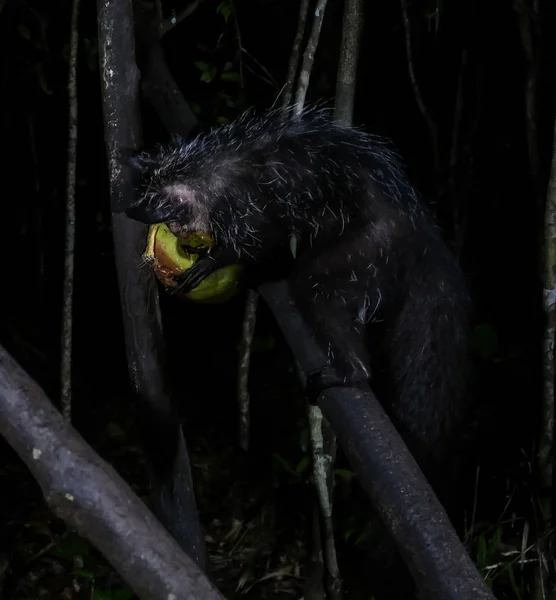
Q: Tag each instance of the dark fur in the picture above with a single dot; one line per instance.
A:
(371, 275)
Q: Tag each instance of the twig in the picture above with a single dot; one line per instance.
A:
(239, 42)
(323, 445)
(270, 79)
(417, 93)
(296, 50)
(249, 320)
(527, 20)
(69, 257)
(309, 56)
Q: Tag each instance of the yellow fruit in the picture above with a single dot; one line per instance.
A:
(169, 256)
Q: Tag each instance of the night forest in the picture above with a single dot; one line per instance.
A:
(465, 93)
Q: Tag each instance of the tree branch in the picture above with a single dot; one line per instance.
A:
(247, 333)
(527, 20)
(349, 55)
(165, 450)
(91, 497)
(545, 457)
(309, 56)
(69, 251)
(296, 50)
(405, 501)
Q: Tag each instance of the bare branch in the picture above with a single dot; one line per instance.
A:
(69, 252)
(89, 495)
(527, 20)
(545, 456)
(163, 442)
(405, 501)
(309, 56)
(296, 50)
(349, 55)
(248, 330)
(323, 446)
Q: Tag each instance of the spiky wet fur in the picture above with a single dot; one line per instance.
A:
(372, 275)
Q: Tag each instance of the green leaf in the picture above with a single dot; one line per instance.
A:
(302, 465)
(208, 75)
(119, 594)
(202, 65)
(481, 552)
(24, 32)
(513, 583)
(83, 573)
(225, 9)
(232, 76)
(345, 473)
(348, 533)
(71, 545)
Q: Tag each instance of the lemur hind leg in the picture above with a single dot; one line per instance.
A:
(334, 324)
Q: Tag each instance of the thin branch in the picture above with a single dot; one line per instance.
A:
(249, 320)
(296, 51)
(309, 56)
(527, 20)
(239, 42)
(349, 56)
(323, 446)
(67, 306)
(433, 129)
(270, 78)
(252, 298)
(546, 438)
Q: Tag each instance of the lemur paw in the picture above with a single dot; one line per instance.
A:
(326, 378)
(320, 380)
(189, 279)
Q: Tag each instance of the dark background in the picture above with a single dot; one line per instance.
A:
(494, 193)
